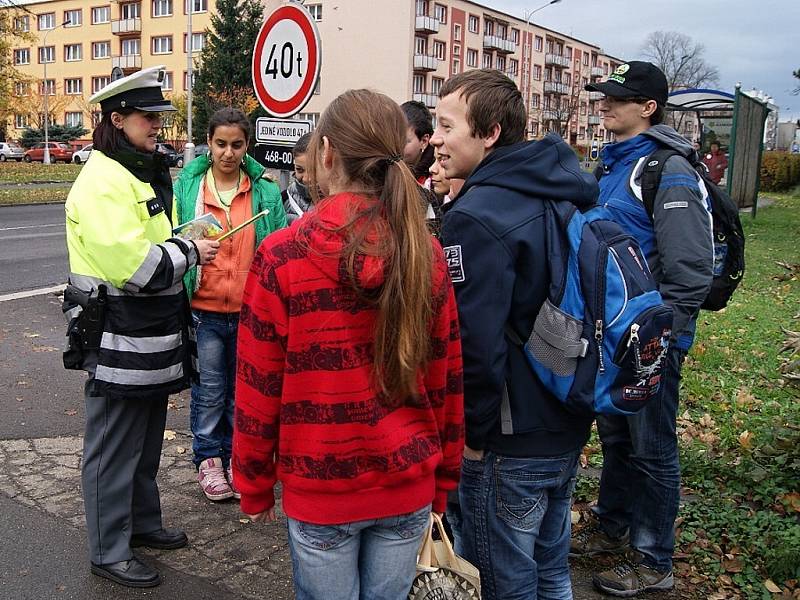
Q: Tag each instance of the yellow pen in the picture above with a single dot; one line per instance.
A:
(263, 213)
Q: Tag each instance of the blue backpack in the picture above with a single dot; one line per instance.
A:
(600, 340)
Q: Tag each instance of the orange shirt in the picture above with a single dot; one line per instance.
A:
(222, 281)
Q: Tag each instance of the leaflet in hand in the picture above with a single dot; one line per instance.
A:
(206, 226)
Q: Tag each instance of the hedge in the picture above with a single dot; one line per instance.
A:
(780, 171)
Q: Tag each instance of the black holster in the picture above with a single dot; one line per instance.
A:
(85, 331)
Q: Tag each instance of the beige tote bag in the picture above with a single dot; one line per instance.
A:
(441, 573)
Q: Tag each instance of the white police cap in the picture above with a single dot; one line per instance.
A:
(141, 90)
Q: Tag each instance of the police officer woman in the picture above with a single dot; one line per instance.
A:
(133, 332)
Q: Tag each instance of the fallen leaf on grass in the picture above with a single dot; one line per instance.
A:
(791, 501)
(746, 439)
(733, 565)
(169, 435)
(771, 587)
(575, 517)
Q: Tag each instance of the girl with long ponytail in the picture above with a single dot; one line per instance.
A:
(349, 387)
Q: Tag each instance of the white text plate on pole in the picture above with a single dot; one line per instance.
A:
(286, 60)
(280, 131)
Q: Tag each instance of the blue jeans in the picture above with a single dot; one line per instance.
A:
(640, 483)
(515, 524)
(369, 560)
(211, 412)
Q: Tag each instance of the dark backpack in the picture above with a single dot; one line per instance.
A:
(600, 339)
(728, 234)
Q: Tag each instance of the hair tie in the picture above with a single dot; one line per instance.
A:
(394, 158)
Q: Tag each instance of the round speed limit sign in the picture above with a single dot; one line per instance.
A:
(286, 60)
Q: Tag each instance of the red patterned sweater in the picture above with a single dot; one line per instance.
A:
(306, 409)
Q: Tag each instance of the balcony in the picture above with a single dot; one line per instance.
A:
(553, 87)
(550, 115)
(597, 72)
(423, 62)
(426, 24)
(127, 62)
(428, 100)
(595, 96)
(126, 26)
(494, 42)
(594, 119)
(556, 60)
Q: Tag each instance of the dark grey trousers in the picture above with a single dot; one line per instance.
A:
(121, 454)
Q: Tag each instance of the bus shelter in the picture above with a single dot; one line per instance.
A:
(736, 121)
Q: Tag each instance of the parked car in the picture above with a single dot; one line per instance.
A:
(58, 152)
(173, 158)
(200, 149)
(82, 155)
(11, 152)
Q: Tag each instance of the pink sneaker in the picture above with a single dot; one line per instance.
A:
(236, 493)
(211, 476)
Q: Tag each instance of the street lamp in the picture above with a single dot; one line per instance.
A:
(535, 10)
(46, 158)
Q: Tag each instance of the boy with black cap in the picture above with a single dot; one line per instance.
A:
(639, 486)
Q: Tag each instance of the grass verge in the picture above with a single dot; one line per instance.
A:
(22, 173)
(738, 532)
(33, 195)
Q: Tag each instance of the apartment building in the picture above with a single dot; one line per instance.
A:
(404, 48)
(408, 48)
(79, 42)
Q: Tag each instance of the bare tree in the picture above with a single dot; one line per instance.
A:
(796, 90)
(681, 59)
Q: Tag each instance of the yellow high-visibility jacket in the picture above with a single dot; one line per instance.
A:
(119, 235)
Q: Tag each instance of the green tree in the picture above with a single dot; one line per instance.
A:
(223, 76)
(10, 37)
(55, 133)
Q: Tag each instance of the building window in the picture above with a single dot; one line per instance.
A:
(537, 43)
(420, 45)
(513, 67)
(419, 84)
(568, 52)
(501, 63)
(22, 121)
(422, 8)
(583, 108)
(537, 72)
(22, 56)
(162, 8)
(456, 66)
(582, 132)
(456, 32)
(586, 59)
(101, 50)
(131, 47)
(567, 79)
(515, 36)
(74, 119)
(198, 6)
(488, 28)
(22, 88)
(97, 116)
(47, 87)
(474, 24)
(436, 85)
(502, 31)
(198, 42)
(584, 82)
(166, 84)
(75, 17)
(535, 100)
(47, 54)
(316, 11)
(439, 49)
(98, 83)
(456, 50)
(22, 24)
(186, 79)
(440, 13)
(73, 52)
(47, 21)
(162, 44)
(132, 10)
(487, 60)
(101, 14)
(73, 87)
(472, 58)
(534, 129)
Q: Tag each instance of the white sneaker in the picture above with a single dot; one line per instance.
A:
(211, 477)
(229, 474)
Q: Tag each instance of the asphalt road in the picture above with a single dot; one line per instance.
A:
(34, 247)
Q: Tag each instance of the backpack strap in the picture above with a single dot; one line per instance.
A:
(651, 176)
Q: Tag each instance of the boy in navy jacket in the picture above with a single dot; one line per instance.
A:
(522, 450)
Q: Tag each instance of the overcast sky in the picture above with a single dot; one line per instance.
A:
(755, 42)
